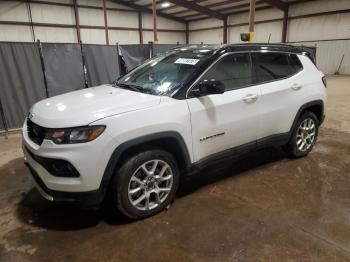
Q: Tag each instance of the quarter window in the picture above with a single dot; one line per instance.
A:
(233, 70)
(295, 63)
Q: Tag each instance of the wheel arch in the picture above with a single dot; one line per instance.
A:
(171, 141)
(316, 106)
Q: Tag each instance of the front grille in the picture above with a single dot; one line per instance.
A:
(35, 132)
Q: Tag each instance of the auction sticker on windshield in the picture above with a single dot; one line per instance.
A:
(186, 61)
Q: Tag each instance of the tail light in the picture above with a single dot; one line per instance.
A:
(324, 81)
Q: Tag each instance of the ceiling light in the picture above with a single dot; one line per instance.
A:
(165, 4)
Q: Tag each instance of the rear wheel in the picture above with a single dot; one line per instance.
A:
(145, 184)
(304, 136)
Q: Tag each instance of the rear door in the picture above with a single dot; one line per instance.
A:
(277, 76)
(223, 121)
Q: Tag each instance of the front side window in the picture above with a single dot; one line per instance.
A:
(274, 66)
(233, 70)
(163, 75)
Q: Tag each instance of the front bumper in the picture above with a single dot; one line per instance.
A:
(88, 159)
(83, 199)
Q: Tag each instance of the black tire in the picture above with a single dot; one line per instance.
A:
(292, 148)
(120, 183)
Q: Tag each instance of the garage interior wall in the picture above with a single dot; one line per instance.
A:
(123, 23)
(321, 23)
(324, 23)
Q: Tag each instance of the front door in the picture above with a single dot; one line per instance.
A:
(224, 121)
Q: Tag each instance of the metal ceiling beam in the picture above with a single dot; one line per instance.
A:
(231, 8)
(158, 2)
(277, 3)
(193, 15)
(147, 10)
(176, 6)
(223, 3)
(232, 13)
(183, 12)
(196, 18)
(237, 7)
(219, 4)
(199, 8)
(169, 7)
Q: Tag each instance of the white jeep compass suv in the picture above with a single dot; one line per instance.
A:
(169, 117)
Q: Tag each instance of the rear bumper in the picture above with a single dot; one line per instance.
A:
(90, 199)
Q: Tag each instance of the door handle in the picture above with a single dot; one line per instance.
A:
(296, 87)
(251, 98)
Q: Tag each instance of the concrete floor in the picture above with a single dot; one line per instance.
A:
(264, 207)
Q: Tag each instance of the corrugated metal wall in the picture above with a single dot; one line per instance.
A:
(330, 32)
(327, 31)
(16, 11)
(329, 56)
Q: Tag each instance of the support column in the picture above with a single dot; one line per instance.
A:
(30, 19)
(106, 22)
(77, 23)
(251, 20)
(154, 12)
(285, 25)
(187, 33)
(140, 27)
(225, 31)
(3, 119)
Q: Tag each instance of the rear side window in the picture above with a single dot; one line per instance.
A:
(274, 66)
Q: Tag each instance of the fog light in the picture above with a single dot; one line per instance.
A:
(56, 167)
(63, 168)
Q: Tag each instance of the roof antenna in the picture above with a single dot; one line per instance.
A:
(268, 41)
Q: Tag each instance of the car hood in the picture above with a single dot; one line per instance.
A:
(84, 106)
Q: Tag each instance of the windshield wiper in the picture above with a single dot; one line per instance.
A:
(130, 87)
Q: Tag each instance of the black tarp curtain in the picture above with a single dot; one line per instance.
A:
(30, 72)
(133, 55)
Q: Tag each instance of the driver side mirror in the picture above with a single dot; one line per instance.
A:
(209, 87)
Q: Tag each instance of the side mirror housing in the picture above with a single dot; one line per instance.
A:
(209, 87)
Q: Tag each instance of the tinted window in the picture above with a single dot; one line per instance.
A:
(233, 70)
(271, 66)
(295, 63)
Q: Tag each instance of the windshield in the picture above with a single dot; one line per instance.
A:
(164, 74)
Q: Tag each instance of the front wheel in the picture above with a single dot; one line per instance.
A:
(304, 136)
(145, 184)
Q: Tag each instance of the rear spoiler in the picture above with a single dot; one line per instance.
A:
(310, 51)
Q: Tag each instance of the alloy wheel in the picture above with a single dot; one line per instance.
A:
(150, 185)
(306, 134)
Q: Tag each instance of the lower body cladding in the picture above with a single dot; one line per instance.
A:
(70, 173)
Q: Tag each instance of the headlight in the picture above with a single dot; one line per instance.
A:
(74, 135)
